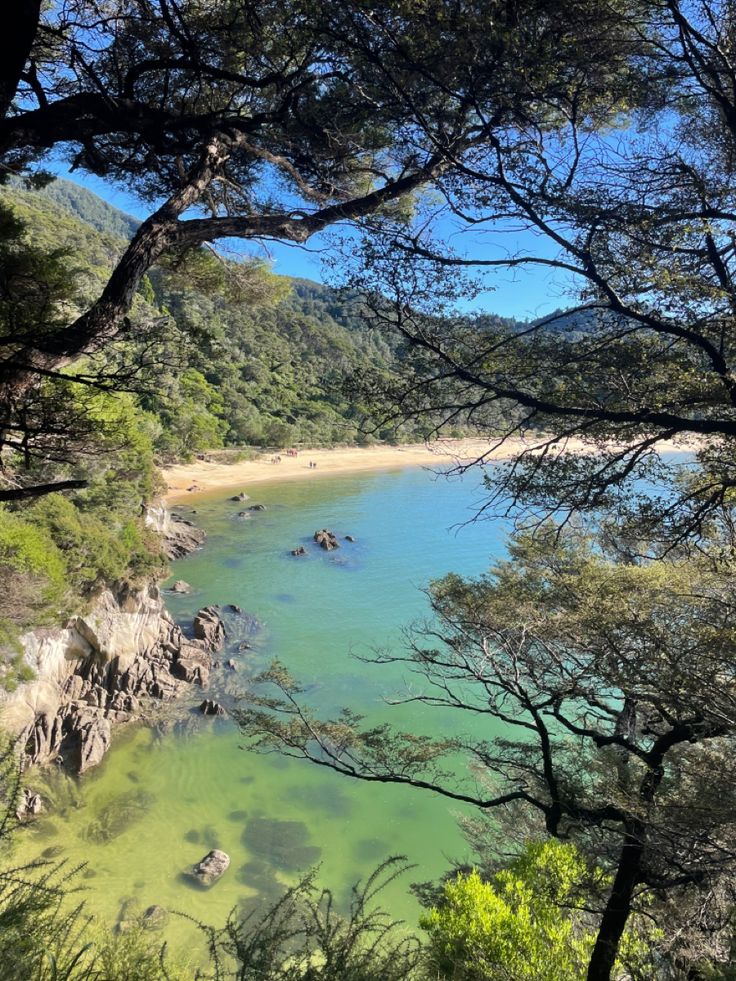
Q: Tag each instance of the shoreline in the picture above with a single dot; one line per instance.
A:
(185, 481)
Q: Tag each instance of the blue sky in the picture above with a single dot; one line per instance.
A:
(524, 294)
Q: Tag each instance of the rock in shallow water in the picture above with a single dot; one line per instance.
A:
(29, 805)
(209, 628)
(210, 707)
(326, 539)
(211, 867)
(155, 918)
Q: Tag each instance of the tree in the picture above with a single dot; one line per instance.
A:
(634, 216)
(599, 699)
(527, 923)
(282, 121)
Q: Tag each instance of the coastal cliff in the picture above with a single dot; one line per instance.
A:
(105, 667)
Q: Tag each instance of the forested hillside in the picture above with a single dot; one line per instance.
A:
(244, 357)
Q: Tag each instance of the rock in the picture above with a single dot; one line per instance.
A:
(180, 535)
(192, 664)
(94, 741)
(349, 538)
(242, 496)
(244, 646)
(211, 867)
(257, 507)
(231, 665)
(128, 917)
(233, 608)
(209, 628)
(299, 550)
(29, 805)
(181, 587)
(155, 918)
(326, 539)
(209, 707)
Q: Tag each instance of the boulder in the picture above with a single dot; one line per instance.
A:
(233, 608)
(181, 587)
(210, 707)
(29, 805)
(326, 539)
(209, 628)
(257, 507)
(299, 550)
(231, 665)
(349, 538)
(242, 496)
(211, 867)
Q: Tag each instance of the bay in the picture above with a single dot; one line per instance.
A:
(163, 798)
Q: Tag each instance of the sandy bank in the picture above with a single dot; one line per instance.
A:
(188, 479)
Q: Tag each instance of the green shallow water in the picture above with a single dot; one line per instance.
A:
(164, 797)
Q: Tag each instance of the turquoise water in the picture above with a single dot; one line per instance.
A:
(164, 797)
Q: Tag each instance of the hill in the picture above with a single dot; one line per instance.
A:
(233, 354)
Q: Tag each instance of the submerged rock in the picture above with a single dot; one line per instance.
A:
(299, 550)
(284, 845)
(349, 538)
(257, 507)
(180, 586)
(155, 918)
(326, 539)
(118, 815)
(211, 867)
(242, 496)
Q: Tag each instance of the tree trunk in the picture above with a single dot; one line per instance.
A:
(618, 908)
(16, 41)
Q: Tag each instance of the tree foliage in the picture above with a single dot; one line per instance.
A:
(527, 923)
(598, 698)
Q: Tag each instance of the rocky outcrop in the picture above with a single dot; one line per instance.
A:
(180, 535)
(209, 707)
(211, 867)
(30, 805)
(180, 586)
(105, 667)
(326, 539)
(209, 629)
